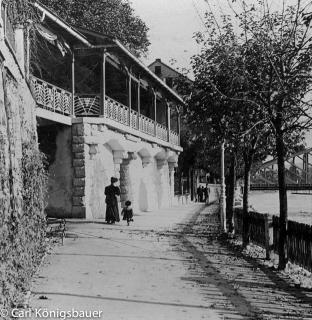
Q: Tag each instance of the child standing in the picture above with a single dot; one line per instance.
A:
(127, 212)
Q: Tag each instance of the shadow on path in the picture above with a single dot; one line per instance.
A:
(100, 297)
(238, 286)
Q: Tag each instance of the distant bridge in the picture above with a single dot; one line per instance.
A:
(292, 187)
(298, 171)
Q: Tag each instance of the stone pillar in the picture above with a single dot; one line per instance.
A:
(118, 155)
(80, 153)
(125, 181)
(163, 187)
(171, 165)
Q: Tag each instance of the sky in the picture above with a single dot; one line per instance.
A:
(173, 23)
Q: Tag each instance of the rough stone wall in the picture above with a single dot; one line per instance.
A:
(17, 125)
(79, 153)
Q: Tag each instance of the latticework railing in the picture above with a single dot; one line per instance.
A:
(147, 125)
(134, 119)
(161, 132)
(55, 99)
(51, 97)
(116, 111)
(174, 138)
(87, 105)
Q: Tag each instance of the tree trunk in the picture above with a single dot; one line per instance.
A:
(280, 150)
(230, 195)
(246, 224)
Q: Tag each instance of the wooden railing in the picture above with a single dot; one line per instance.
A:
(174, 138)
(264, 231)
(51, 97)
(161, 132)
(256, 226)
(116, 111)
(87, 105)
(58, 100)
(146, 125)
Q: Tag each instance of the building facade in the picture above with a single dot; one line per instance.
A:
(101, 114)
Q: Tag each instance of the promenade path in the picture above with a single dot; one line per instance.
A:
(169, 264)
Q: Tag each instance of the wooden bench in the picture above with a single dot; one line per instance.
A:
(56, 226)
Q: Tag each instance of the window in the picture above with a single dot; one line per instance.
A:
(158, 70)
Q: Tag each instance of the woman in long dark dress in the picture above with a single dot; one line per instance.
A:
(112, 213)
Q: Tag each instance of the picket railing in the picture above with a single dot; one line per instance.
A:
(299, 244)
(256, 226)
(51, 97)
(264, 231)
(58, 100)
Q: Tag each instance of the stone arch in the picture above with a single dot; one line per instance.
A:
(116, 144)
(172, 157)
(145, 154)
(101, 168)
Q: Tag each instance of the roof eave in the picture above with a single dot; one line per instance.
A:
(62, 24)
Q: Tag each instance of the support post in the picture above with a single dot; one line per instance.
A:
(155, 114)
(307, 168)
(222, 196)
(139, 102)
(73, 84)
(268, 229)
(168, 121)
(27, 63)
(103, 93)
(179, 126)
(129, 97)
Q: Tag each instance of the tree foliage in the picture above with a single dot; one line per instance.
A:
(255, 83)
(115, 18)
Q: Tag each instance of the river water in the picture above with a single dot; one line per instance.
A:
(299, 205)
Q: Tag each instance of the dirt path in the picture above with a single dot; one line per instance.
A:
(236, 286)
(125, 272)
(169, 264)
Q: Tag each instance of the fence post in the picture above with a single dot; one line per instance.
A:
(268, 230)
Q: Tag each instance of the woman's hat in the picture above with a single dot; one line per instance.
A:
(113, 179)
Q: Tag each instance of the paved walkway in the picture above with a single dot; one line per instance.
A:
(168, 265)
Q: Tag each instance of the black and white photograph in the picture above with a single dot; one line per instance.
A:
(156, 159)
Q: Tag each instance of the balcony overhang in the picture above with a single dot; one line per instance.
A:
(52, 116)
(113, 125)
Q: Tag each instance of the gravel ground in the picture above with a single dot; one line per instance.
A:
(255, 290)
(170, 264)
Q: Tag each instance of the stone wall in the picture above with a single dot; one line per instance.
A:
(17, 123)
(141, 167)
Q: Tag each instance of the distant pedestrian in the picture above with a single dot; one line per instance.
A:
(205, 194)
(111, 191)
(199, 194)
(203, 198)
(127, 212)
